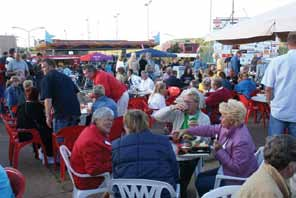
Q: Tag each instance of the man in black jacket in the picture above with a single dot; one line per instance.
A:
(174, 81)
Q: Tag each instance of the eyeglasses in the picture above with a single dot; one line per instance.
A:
(190, 102)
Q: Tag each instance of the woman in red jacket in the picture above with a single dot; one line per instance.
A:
(92, 151)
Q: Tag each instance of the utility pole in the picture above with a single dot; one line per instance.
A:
(232, 13)
(116, 25)
(148, 18)
(87, 28)
(211, 14)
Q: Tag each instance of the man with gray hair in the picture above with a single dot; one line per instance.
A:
(184, 115)
(279, 166)
(103, 101)
(220, 94)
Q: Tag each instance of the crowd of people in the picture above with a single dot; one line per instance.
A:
(38, 95)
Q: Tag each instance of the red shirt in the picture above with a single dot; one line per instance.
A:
(91, 155)
(214, 99)
(113, 88)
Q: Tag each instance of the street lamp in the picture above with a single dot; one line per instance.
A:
(28, 32)
(148, 25)
(116, 23)
(211, 14)
(87, 28)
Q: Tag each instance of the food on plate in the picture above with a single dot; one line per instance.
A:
(203, 144)
(186, 144)
(188, 137)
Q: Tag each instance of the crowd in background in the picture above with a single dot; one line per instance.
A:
(203, 104)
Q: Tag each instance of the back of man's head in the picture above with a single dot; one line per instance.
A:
(90, 68)
(11, 51)
(280, 150)
(174, 73)
(291, 40)
(50, 62)
(217, 81)
(99, 90)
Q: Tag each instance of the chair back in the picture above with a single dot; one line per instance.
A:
(10, 129)
(222, 192)
(244, 100)
(66, 154)
(17, 181)
(140, 188)
(70, 135)
(259, 155)
(117, 128)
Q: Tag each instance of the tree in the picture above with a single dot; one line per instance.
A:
(174, 48)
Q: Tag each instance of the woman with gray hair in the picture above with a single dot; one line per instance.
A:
(92, 151)
(233, 146)
(279, 165)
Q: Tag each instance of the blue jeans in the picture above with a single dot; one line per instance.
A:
(205, 181)
(59, 123)
(277, 127)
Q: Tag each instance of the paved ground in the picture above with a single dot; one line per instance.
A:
(42, 182)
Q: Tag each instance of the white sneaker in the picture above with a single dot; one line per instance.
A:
(40, 154)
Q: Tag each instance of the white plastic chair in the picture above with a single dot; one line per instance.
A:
(140, 188)
(104, 187)
(223, 192)
(220, 177)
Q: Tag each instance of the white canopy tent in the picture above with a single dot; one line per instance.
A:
(278, 22)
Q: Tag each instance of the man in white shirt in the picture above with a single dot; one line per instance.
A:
(133, 79)
(279, 81)
(146, 83)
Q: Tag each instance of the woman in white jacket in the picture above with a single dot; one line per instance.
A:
(156, 100)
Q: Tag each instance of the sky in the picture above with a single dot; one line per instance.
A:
(71, 19)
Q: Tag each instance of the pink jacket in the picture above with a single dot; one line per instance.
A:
(237, 155)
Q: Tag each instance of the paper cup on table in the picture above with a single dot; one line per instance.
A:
(84, 111)
(89, 105)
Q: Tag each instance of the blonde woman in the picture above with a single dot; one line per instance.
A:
(133, 64)
(141, 154)
(234, 147)
(156, 100)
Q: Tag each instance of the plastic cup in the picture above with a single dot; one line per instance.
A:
(89, 105)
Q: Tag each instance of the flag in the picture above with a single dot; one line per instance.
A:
(142, 46)
(48, 37)
(157, 38)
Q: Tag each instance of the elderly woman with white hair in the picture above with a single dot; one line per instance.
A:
(92, 151)
(233, 145)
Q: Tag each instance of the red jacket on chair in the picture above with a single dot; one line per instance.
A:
(91, 155)
(214, 99)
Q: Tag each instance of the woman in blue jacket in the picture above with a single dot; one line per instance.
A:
(5, 188)
(141, 154)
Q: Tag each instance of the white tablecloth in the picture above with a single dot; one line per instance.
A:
(259, 98)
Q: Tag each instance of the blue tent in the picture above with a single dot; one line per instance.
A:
(154, 53)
